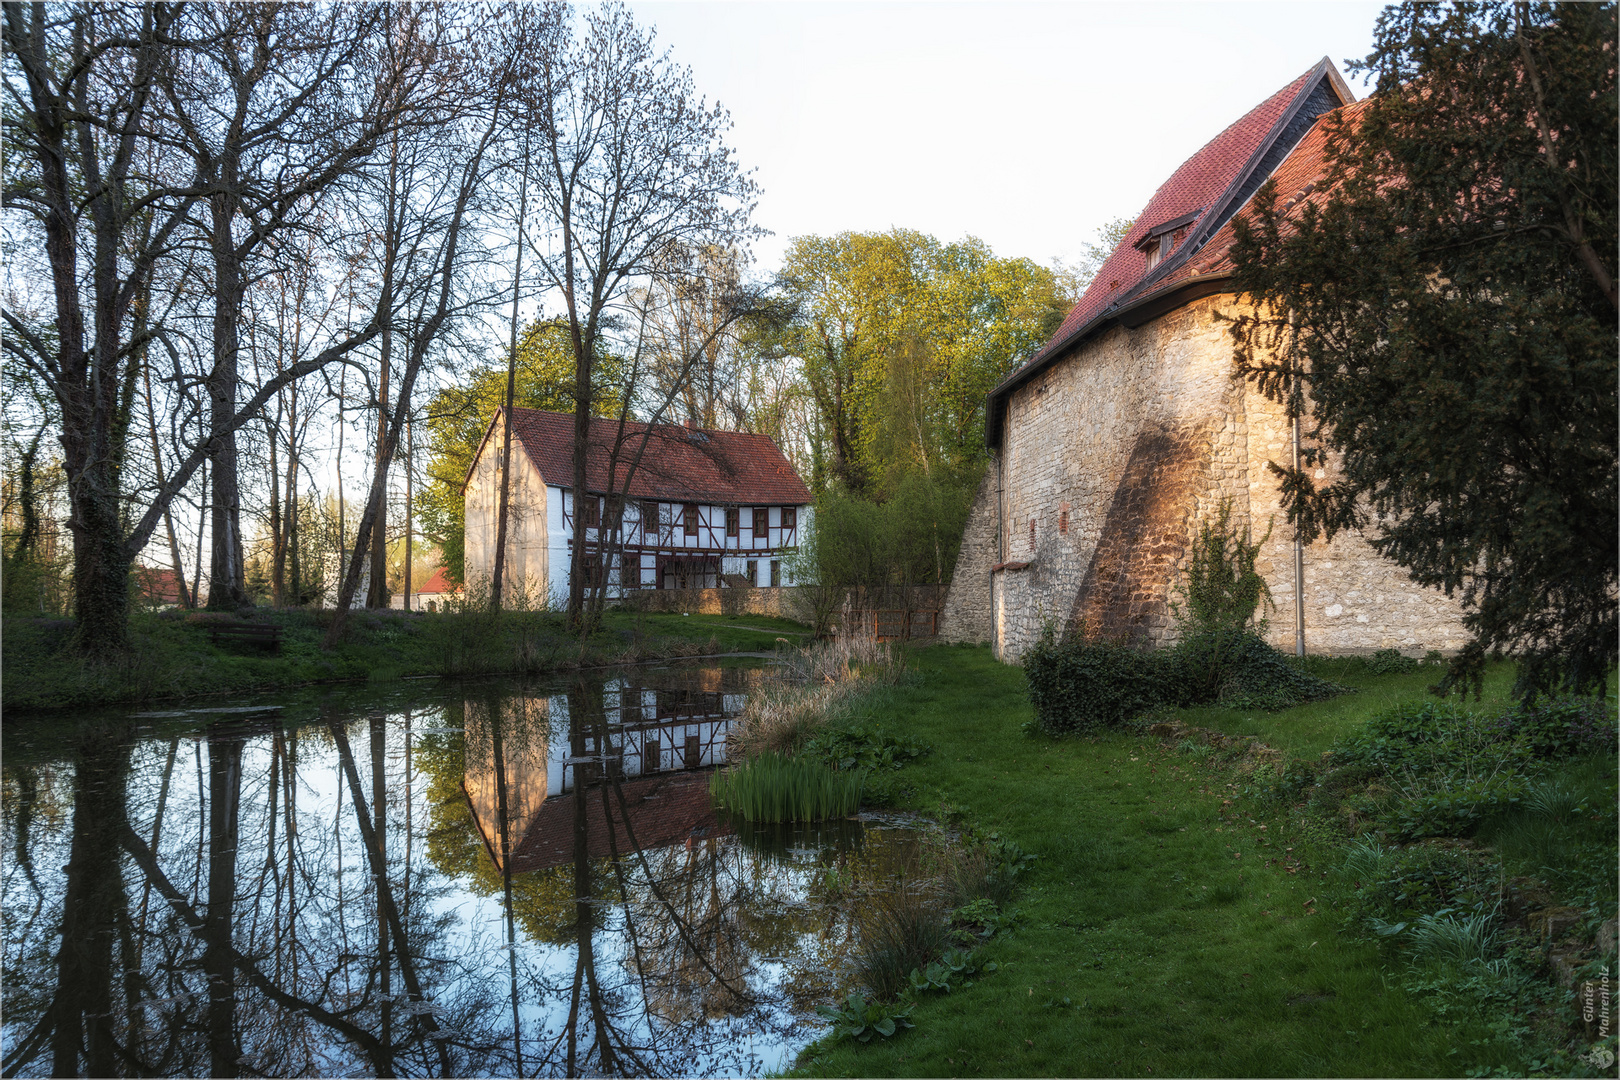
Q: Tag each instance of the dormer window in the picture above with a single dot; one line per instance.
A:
(1159, 241)
(1157, 252)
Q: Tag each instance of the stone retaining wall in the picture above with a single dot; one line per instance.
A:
(776, 602)
(965, 618)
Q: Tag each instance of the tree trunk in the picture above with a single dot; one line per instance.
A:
(377, 594)
(227, 580)
(101, 562)
(498, 574)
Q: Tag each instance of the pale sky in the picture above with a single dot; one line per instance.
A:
(1027, 125)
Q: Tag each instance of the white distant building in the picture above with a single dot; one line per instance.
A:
(704, 508)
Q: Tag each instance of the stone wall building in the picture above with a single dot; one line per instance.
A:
(1129, 429)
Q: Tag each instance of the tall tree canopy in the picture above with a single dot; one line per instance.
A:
(900, 338)
(1445, 320)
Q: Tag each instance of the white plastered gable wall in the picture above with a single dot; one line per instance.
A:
(527, 572)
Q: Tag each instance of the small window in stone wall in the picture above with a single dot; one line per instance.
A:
(1063, 520)
(1032, 536)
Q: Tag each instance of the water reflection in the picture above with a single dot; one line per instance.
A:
(488, 880)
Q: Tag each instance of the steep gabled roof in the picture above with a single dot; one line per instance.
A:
(1206, 191)
(1300, 180)
(679, 464)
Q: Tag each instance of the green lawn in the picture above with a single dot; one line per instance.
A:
(173, 658)
(1308, 730)
(1165, 931)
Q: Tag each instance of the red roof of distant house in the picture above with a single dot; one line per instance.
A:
(679, 464)
(438, 583)
(158, 585)
(1206, 192)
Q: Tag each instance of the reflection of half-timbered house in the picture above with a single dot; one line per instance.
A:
(702, 509)
(525, 769)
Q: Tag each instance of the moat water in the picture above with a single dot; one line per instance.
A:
(474, 879)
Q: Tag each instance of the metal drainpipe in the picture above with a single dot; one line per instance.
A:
(1299, 548)
(1299, 569)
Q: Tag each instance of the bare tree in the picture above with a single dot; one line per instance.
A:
(275, 105)
(437, 184)
(81, 81)
(628, 161)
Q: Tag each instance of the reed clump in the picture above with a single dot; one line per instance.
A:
(900, 932)
(770, 789)
(814, 686)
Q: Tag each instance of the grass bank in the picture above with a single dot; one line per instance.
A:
(172, 656)
(1180, 919)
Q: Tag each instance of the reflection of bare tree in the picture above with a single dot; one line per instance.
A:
(224, 804)
(385, 897)
(264, 914)
(81, 1013)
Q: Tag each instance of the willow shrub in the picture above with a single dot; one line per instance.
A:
(771, 788)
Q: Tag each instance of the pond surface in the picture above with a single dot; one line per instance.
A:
(427, 879)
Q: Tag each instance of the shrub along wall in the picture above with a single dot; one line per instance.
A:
(1079, 685)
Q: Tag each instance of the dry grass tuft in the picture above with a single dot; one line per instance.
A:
(814, 685)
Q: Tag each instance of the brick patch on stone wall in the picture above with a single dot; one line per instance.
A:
(1123, 594)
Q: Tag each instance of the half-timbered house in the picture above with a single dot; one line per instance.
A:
(702, 509)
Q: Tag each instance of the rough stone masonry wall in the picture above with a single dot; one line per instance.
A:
(1107, 455)
(780, 601)
(966, 615)
(1356, 601)
(1133, 442)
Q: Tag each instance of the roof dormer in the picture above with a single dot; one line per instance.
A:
(1159, 241)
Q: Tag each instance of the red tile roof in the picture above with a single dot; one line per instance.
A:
(1195, 186)
(438, 583)
(158, 585)
(1300, 180)
(665, 809)
(679, 464)
(1212, 186)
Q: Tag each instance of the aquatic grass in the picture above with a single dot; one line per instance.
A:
(900, 932)
(771, 789)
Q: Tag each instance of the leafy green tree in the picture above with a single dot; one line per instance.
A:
(900, 338)
(458, 416)
(1443, 317)
(912, 538)
(1073, 279)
